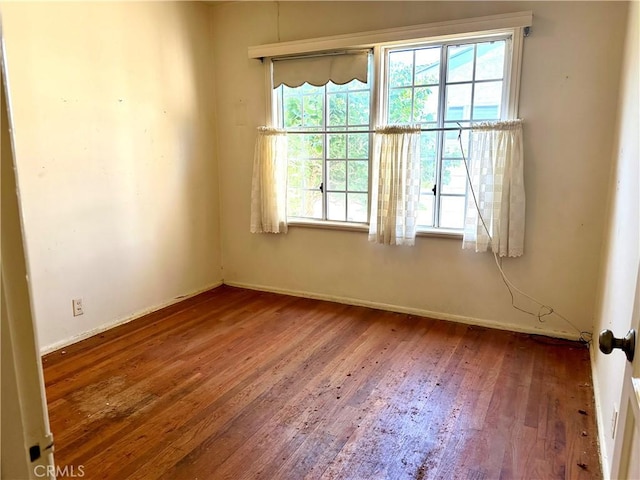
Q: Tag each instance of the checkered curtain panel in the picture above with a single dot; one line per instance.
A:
(269, 183)
(395, 186)
(496, 200)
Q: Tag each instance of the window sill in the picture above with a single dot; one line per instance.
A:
(363, 227)
(440, 232)
(328, 225)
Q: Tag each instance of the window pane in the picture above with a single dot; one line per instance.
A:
(337, 109)
(452, 212)
(292, 113)
(425, 107)
(312, 203)
(359, 108)
(358, 145)
(400, 68)
(458, 102)
(294, 203)
(295, 173)
(428, 145)
(427, 173)
(487, 101)
(451, 147)
(453, 177)
(400, 105)
(337, 146)
(490, 61)
(336, 206)
(312, 174)
(425, 209)
(304, 203)
(427, 66)
(358, 176)
(312, 146)
(357, 207)
(427, 159)
(460, 63)
(295, 146)
(337, 175)
(312, 110)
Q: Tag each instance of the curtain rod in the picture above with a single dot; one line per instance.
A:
(340, 132)
(322, 54)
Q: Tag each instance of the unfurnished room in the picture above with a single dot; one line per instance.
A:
(359, 240)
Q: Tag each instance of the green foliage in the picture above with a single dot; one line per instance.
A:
(337, 175)
(358, 176)
(401, 68)
(358, 145)
(313, 106)
(400, 104)
(337, 109)
(359, 108)
(337, 146)
(292, 112)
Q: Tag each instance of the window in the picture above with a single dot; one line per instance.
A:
(328, 170)
(440, 85)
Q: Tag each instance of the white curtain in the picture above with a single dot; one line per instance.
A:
(269, 184)
(395, 185)
(496, 202)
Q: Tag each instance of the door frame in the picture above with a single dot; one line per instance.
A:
(27, 443)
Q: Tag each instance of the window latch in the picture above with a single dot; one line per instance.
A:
(435, 188)
(321, 187)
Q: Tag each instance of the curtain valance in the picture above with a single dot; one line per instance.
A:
(319, 69)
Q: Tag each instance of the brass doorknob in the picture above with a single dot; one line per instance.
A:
(607, 342)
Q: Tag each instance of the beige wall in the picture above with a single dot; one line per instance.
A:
(114, 134)
(622, 248)
(568, 101)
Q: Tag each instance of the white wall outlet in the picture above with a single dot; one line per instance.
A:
(614, 421)
(77, 307)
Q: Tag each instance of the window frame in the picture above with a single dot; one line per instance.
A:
(441, 121)
(514, 27)
(326, 131)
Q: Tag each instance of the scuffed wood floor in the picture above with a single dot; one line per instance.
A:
(236, 384)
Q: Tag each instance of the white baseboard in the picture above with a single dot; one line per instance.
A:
(413, 311)
(108, 326)
(331, 298)
(602, 441)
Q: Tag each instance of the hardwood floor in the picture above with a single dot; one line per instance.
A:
(236, 384)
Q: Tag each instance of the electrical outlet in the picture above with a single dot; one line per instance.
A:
(614, 421)
(77, 307)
